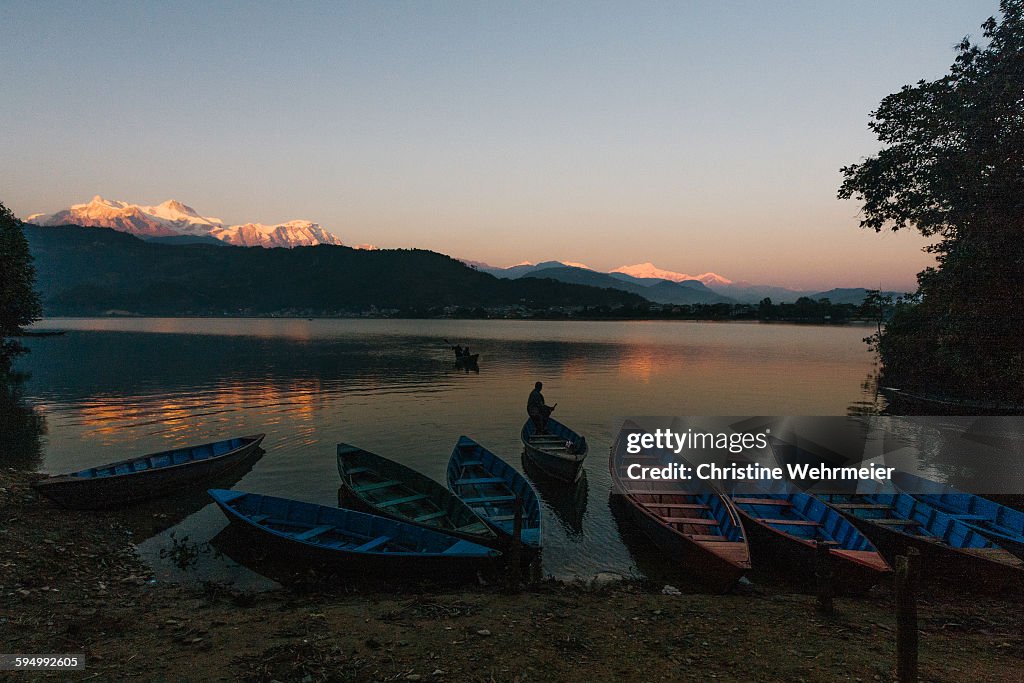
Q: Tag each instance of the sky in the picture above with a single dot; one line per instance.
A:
(701, 135)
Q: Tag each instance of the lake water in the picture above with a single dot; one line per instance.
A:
(114, 388)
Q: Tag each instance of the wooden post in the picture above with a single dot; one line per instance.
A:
(823, 577)
(908, 570)
(515, 550)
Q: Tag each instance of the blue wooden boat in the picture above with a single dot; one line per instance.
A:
(1001, 524)
(949, 548)
(559, 452)
(689, 521)
(147, 476)
(384, 487)
(784, 526)
(341, 537)
(491, 486)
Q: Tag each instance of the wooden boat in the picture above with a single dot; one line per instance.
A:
(1001, 524)
(146, 476)
(467, 360)
(559, 453)
(950, 549)
(784, 525)
(384, 487)
(944, 405)
(491, 486)
(689, 521)
(338, 536)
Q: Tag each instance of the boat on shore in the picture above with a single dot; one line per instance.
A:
(339, 537)
(147, 476)
(375, 484)
(689, 521)
(491, 487)
(558, 453)
(1001, 524)
(785, 525)
(950, 549)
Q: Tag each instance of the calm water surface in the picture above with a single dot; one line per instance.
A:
(115, 388)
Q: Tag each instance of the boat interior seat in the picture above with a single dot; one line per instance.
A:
(377, 485)
(782, 502)
(790, 522)
(372, 545)
(472, 481)
(431, 515)
(403, 500)
(313, 533)
(259, 518)
(488, 499)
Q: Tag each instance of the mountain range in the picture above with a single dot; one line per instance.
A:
(89, 271)
(669, 287)
(174, 221)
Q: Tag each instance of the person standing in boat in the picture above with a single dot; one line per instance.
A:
(537, 409)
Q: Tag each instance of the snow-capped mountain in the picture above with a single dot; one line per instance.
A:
(172, 218)
(650, 271)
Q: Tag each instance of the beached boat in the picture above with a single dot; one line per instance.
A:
(146, 476)
(784, 526)
(950, 549)
(689, 521)
(559, 452)
(341, 537)
(375, 484)
(491, 487)
(1002, 524)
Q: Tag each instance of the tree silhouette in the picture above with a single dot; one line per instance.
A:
(952, 167)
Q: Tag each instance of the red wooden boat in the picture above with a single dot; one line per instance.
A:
(689, 521)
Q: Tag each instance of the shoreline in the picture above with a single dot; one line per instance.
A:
(72, 582)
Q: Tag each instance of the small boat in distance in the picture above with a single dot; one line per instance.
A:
(491, 486)
(559, 452)
(380, 486)
(1002, 524)
(146, 476)
(785, 525)
(337, 536)
(689, 521)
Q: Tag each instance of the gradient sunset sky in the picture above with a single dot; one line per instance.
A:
(702, 136)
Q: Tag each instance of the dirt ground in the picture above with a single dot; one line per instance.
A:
(70, 582)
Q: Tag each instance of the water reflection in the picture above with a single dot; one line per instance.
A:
(567, 501)
(113, 389)
(22, 425)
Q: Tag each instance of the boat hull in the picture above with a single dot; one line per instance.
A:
(446, 512)
(490, 486)
(713, 571)
(402, 566)
(853, 572)
(552, 458)
(99, 492)
(983, 567)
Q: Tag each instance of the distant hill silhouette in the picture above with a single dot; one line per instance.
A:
(663, 292)
(90, 271)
